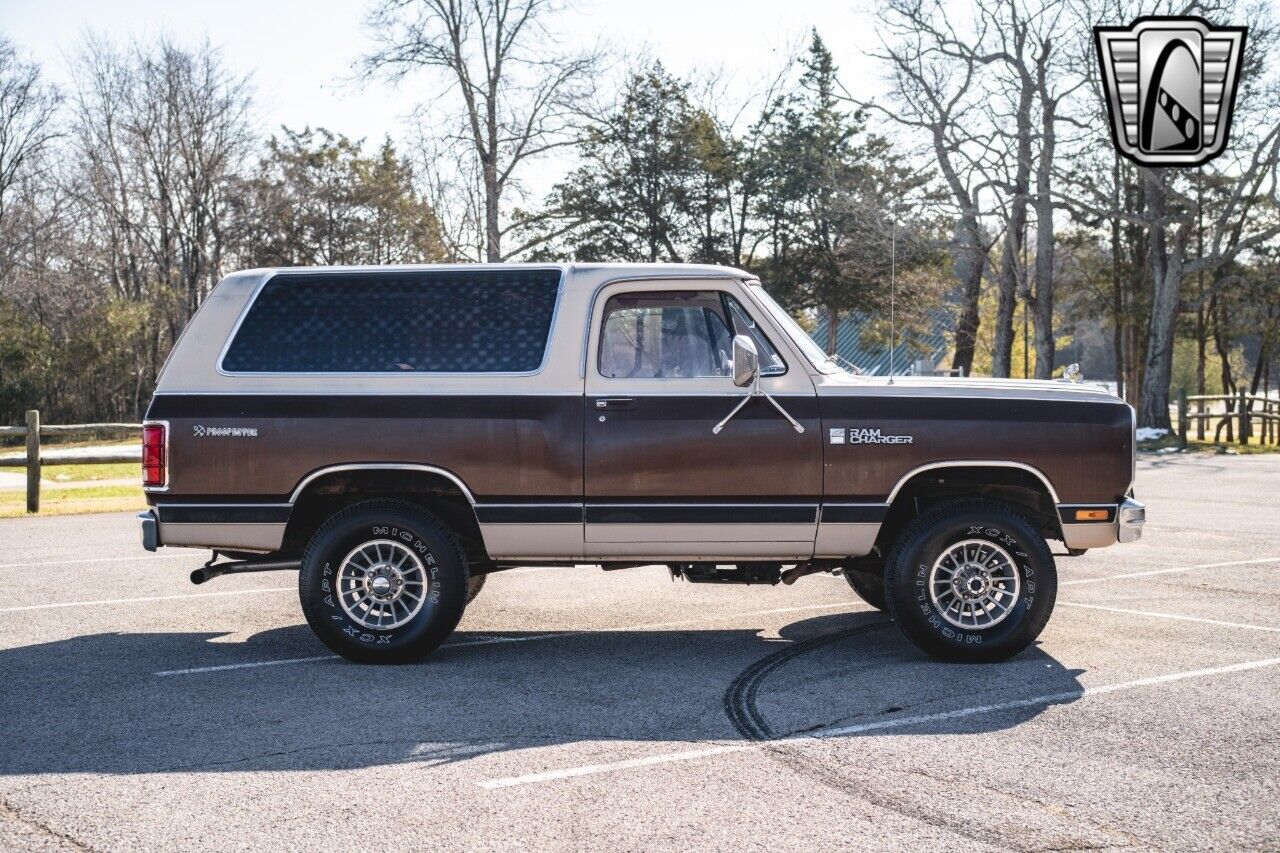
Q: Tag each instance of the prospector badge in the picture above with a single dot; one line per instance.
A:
(1170, 85)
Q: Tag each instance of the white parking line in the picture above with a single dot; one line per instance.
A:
(1170, 571)
(253, 665)
(139, 558)
(1176, 616)
(523, 638)
(106, 601)
(593, 769)
(878, 725)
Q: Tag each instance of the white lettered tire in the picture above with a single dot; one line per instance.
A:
(971, 581)
(383, 581)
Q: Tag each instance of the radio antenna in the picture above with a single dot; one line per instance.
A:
(893, 290)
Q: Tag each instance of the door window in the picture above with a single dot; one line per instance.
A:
(678, 334)
(665, 335)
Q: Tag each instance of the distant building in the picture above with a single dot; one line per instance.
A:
(925, 354)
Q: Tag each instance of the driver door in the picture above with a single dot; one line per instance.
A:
(659, 484)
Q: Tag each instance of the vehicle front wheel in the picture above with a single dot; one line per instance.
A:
(383, 582)
(971, 581)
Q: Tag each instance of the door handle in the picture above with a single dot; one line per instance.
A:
(615, 404)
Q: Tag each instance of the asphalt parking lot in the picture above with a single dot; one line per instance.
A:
(577, 709)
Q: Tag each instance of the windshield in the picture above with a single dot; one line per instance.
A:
(795, 331)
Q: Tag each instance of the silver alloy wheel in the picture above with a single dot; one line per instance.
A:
(381, 584)
(974, 584)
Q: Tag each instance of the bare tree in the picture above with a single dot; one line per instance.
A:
(518, 97)
(1239, 206)
(1016, 80)
(988, 97)
(934, 89)
(159, 133)
(27, 111)
(454, 188)
(1055, 63)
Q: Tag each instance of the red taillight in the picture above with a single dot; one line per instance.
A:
(154, 463)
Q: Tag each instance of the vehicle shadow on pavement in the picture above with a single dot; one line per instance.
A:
(96, 704)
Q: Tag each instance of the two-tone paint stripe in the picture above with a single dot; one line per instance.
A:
(260, 513)
(576, 512)
(571, 512)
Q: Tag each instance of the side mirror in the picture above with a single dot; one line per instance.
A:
(746, 372)
(746, 362)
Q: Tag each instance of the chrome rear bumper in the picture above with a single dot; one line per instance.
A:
(150, 530)
(1130, 518)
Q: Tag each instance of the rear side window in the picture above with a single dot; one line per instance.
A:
(487, 321)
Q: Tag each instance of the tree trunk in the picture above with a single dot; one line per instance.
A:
(833, 328)
(1002, 358)
(1002, 355)
(1201, 346)
(1153, 408)
(1117, 287)
(492, 197)
(1200, 327)
(1045, 348)
(969, 260)
(1222, 343)
(1165, 264)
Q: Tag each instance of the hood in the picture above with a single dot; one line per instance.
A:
(976, 386)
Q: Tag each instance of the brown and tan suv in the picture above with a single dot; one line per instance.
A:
(398, 433)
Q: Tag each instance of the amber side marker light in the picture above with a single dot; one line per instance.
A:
(1092, 514)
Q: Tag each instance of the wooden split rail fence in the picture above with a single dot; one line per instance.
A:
(1244, 411)
(33, 459)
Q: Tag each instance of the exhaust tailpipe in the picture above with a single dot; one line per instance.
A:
(211, 570)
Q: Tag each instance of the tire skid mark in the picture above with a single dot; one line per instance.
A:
(740, 706)
(41, 829)
(740, 697)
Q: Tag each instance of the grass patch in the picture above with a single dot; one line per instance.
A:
(1169, 444)
(17, 444)
(78, 473)
(75, 500)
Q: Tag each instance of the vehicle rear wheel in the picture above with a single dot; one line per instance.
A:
(971, 581)
(383, 582)
(868, 583)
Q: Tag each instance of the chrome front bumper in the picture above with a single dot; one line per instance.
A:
(1130, 517)
(1125, 525)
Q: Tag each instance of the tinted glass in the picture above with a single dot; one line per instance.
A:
(488, 321)
(664, 335)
